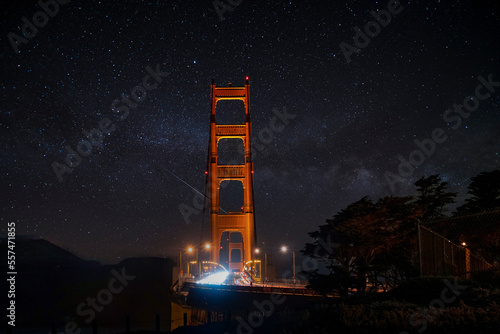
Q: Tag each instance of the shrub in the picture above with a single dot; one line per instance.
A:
(490, 276)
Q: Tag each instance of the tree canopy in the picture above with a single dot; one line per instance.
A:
(484, 192)
(364, 241)
(432, 197)
(368, 240)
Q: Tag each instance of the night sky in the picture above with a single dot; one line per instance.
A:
(352, 119)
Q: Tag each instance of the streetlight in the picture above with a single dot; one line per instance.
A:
(257, 251)
(207, 248)
(190, 250)
(284, 249)
(183, 251)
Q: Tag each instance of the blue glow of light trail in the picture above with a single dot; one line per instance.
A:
(217, 278)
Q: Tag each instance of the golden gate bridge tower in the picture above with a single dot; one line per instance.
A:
(242, 222)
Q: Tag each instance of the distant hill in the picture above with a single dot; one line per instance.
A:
(39, 252)
(53, 284)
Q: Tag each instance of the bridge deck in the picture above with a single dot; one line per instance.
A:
(288, 289)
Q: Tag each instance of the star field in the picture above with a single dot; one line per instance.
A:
(351, 122)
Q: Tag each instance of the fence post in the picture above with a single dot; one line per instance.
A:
(467, 263)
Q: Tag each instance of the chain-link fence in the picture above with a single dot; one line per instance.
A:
(459, 246)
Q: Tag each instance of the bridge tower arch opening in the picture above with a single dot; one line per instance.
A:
(242, 221)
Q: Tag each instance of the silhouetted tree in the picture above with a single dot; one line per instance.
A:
(399, 260)
(484, 192)
(432, 197)
(363, 241)
(333, 247)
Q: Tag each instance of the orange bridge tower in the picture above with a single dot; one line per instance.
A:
(242, 222)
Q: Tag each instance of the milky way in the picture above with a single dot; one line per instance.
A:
(348, 121)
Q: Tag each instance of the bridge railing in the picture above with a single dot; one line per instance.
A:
(257, 288)
(291, 281)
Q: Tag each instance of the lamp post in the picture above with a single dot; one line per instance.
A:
(190, 251)
(467, 260)
(284, 249)
(257, 251)
(207, 248)
(181, 273)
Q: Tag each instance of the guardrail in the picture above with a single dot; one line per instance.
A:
(267, 289)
